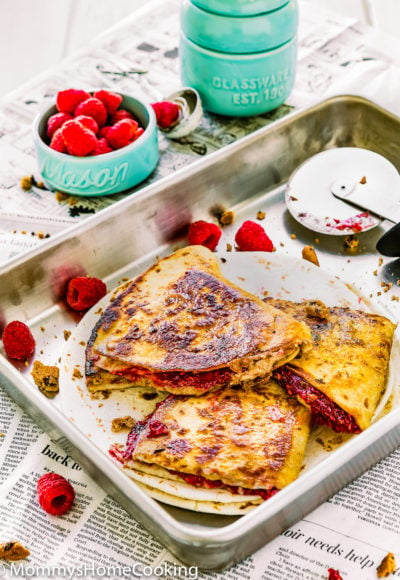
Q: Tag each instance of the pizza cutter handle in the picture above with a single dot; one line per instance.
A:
(389, 243)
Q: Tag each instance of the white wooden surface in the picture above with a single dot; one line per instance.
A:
(36, 34)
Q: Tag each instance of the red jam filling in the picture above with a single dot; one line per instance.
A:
(200, 481)
(125, 454)
(202, 380)
(156, 429)
(357, 223)
(323, 410)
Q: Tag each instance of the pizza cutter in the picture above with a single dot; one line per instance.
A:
(330, 192)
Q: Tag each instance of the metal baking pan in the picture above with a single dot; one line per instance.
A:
(246, 176)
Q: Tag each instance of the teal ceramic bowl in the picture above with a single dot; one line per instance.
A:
(239, 34)
(239, 85)
(240, 7)
(97, 175)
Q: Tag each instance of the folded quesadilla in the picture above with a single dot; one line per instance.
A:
(244, 440)
(342, 378)
(183, 328)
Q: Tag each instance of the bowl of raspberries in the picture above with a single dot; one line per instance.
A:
(96, 143)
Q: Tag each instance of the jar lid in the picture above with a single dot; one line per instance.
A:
(240, 7)
(239, 34)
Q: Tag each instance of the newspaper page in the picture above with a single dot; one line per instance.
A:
(350, 533)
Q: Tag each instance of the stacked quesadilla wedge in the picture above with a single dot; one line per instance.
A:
(243, 378)
(341, 379)
(235, 445)
(181, 327)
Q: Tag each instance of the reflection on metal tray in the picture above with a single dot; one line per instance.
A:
(247, 176)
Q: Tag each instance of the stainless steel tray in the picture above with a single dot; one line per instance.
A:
(246, 176)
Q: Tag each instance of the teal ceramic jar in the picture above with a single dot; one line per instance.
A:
(240, 65)
(239, 7)
(239, 34)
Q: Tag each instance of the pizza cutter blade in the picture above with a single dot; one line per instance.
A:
(327, 192)
(381, 197)
(378, 190)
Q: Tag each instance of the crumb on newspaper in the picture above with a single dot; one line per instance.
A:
(13, 551)
(387, 566)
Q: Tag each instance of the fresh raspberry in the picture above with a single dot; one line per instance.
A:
(167, 113)
(18, 340)
(56, 121)
(55, 494)
(84, 292)
(88, 122)
(68, 100)
(78, 139)
(204, 234)
(57, 142)
(103, 131)
(93, 108)
(110, 100)
(251, 237)
(139, 131)
(334, 574)
(102, 146)
(119, 115)
(122, 133)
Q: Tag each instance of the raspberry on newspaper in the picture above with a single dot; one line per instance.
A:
(334, 574)
(55, 494)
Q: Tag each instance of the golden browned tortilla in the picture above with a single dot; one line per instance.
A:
(251, 437)
(181, 327)
(349, 359)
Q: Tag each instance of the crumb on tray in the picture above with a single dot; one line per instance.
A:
(226, 218)
(308, 253)
(46, 378)
(351, 242)
(122, 423)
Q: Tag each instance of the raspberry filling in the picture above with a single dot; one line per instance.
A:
(123, 455)
(203, 380)
(323, 410)
(200, 481)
